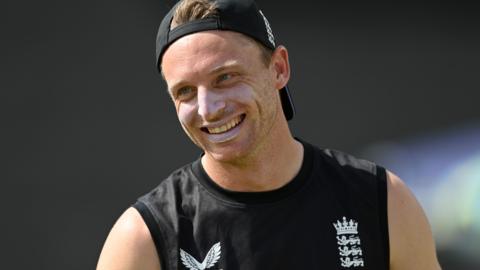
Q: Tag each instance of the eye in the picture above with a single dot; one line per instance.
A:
(184, 92)
(224, 77)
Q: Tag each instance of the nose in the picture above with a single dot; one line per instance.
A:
(211, 104)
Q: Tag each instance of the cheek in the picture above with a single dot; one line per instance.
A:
(186, 113)
(241, 93)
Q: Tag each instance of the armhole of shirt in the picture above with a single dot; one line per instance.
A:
(383, 211)
(154, 229)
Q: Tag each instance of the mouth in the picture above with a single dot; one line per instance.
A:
(226, 127)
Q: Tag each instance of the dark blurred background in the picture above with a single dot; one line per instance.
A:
(87, 125)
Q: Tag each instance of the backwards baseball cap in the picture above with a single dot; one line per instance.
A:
(242, 16)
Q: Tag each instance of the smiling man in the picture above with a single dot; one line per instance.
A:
(258, 198)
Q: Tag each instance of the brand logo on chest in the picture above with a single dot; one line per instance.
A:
(210, 260)
(348, 242)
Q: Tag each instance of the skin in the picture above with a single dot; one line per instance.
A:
(411, 240)
(214, 77)
(129, 245)
(212, 81)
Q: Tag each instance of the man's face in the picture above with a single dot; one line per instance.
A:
(224, 95)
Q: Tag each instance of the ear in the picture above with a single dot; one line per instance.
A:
(280, 66)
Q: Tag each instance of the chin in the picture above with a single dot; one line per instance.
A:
(228, 154)
(237, 150)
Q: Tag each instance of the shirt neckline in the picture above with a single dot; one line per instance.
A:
(263, 196)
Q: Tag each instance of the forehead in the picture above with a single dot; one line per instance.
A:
(205, 50)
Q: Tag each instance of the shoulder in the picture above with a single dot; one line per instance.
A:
(350, 172)
(347, 161)
(176, 179)
(129, 245)
(411, 241)
(356, 180)
(346, 170)
(170, 187)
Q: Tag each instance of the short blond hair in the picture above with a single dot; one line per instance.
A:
(189, 10)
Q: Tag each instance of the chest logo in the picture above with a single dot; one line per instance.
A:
(348, 242)
(210, 260)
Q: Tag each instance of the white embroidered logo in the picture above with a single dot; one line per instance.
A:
(271, 38)
(348, 243)
(210, 260)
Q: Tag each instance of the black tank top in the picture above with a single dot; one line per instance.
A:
(332, 215)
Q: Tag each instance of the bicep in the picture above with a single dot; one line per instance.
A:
(129, 245)
(411, 241)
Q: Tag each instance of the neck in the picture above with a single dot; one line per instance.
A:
(271, 167)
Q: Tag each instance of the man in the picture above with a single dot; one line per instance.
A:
(258, 198)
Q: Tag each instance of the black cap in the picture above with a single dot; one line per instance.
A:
(241, 16)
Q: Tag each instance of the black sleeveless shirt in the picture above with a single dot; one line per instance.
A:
(332, 215)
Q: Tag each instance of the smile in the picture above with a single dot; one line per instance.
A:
(226, 127)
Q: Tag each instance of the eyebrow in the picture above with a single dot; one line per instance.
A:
(228, 65)
(225, 66)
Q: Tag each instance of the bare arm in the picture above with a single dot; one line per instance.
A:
(129, 246)
(411, 241)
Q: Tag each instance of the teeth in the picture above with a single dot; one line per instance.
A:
(225, 127)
